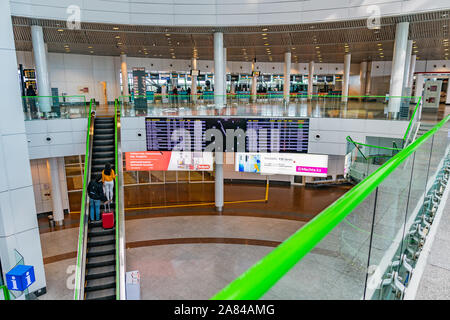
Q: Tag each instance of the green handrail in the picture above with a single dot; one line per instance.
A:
(83, 197)
(5, 292)
(117, 202)
(256, 281)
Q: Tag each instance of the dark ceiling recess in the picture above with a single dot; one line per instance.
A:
(428, 30)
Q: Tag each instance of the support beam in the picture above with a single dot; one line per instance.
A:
(218, 69)
(398, 68)
(287, 77)
(194, 80)
(57, 205)
(40, 59)
(363, 78)
(225, 76)
(346, 82)
(124, 70)
(254, 82)
(310, 79)
(407, 65)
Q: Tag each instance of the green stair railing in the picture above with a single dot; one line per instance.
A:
(263, 275)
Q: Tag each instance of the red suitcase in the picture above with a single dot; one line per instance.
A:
(108, 220)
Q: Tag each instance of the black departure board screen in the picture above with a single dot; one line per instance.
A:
(288, 135)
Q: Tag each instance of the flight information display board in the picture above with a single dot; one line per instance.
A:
(282, 135)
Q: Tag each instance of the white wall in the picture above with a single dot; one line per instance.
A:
(220, 12)
(333, 133)
(67, 137)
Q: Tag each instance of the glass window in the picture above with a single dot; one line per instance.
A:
(183, 176)
(144, 177)
(74, 183)
(171, 176)
(157, 176)
(130, 177)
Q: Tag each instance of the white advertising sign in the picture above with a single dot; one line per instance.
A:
(301, 164)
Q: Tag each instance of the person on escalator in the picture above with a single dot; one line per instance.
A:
(108, 177)
(96, 196)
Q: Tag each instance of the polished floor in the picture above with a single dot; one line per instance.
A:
(174, 248)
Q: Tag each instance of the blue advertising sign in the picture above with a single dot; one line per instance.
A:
(20, 277)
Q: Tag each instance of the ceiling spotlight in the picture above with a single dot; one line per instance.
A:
(60, 30)
(167, 34)
(90, 47)
(119, 43)
(265, 29)
(115, 28)
(117, 37)
(266, 44)
(265, 38)
(379, 44)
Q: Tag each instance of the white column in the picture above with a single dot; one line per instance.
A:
(287, 77)
(18, 221)
(412, 69)
(40, 59)
(124, 70)
(218, 186)
(57, 205)
(363, 77)
(419, 87)
(225, 75)
(310, 79)
(254, 82)
(346, 82)
(194, 80)
(369, 78)
(447, 99)
(407, 64)
(398, 66)
(218, 69)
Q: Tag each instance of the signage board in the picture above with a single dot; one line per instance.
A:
(20, 277)
(313, 165)
(168, 161)
(263, 134)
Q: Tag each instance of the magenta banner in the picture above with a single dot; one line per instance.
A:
(311, 169)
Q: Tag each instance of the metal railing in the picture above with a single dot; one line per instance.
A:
(392, 191)
(84, 212)
(120, 211)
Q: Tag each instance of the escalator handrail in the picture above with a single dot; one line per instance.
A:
(84, 211)
(119, 212)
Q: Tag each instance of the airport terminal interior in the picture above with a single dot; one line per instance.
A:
(196, 150)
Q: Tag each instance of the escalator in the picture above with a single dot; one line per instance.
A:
(101, 255)
(100, 269)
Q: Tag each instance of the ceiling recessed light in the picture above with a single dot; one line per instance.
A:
(117, 37)
(60, 30)
(119, 43)
(115, 28)
(167, 34)
(92, 51)
(90, 47)
(379, 44)
(266, 44)
(265, 29)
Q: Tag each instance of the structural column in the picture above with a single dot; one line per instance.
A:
(218, 69)
(124, 70)
(287, 77)
(254, 81)
(194, 80)
(368, 78)
(18, 221)
(407, 66)
(40, 58)
(346, 82)
(363, 78)
(57, 203)
(225, 76)
(310, 79)
(412, 69)
(218, 185)
(398, 67)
